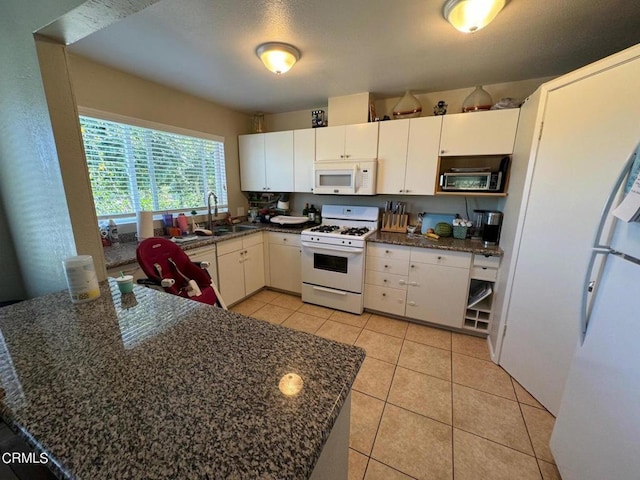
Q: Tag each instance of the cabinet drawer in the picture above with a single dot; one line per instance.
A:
(441, 257)
(383, 299)
(383, 279)
(251, 240)
(483, 261)
(396, 252)
(229, 246)
(380, 264)
(484, 273)
(288, 239)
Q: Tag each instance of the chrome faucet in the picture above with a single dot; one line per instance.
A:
(215, 208)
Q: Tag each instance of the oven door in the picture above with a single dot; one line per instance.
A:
(333, 266)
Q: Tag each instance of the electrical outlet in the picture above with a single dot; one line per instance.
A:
(240, 212)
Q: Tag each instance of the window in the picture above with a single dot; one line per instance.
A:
(133, 168)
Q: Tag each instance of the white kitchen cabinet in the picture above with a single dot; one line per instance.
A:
(240, 267)
(266, 162)
(385, 288)
(484, 271)
(304, 154)
(347, 142)
(479, 133)
(438, 286)
(408, 156)
(206, 254)
(285, 258)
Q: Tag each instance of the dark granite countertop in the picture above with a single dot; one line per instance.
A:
(150, 385)
(125, 252)
(443, 243)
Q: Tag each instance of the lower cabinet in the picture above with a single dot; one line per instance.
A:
(419, 283)
(284, 259)
(206, 254)
(240, 267)
(484, 273)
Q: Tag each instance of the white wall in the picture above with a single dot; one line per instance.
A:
(37, 218)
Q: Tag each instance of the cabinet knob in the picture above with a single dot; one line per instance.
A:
(413, 304)
(439, 257)
(347, 156)
(384, 294)
(386, 266)
(413, 266)
(443, 151)
(284, 239)
(406, 191)
(246, 251)
(386, 251)
(384, 280)
(341, 156)
(400, 191)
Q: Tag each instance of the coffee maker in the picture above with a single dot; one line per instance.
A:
(491, 226)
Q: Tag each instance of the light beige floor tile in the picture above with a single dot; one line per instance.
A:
(284, 300)
(379, 471)
(491, 417)
(524, 396)
(482, 375)
(316, 310)
(374, 378)
(413, 444)
(339, 332)
(303, 322)
(475, 458)
(423, 394)
(272, 313)
(470, 345)
(425, 359)
(433, 337)
(380, 346)
(388, 326)
(365, 417)
(248, 306)
(265, 296)
(549, 471)
(357, 465)
(350, 318)
(540, 425)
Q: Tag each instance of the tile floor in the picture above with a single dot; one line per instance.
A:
(427, 403)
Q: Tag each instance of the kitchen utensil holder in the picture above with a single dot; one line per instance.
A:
(459, 232)
(395, 222)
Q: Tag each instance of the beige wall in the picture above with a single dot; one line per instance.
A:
(100, 87)
(454, 98)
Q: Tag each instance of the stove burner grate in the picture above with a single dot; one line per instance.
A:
(325, 228)
(355, 231)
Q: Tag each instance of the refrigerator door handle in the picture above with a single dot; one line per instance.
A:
(590, 287)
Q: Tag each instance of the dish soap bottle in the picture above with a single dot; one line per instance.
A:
(305, 211)
(312, 213)
(113, 233)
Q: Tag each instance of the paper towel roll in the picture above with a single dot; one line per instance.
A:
(145, 225)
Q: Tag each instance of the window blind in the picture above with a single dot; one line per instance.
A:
(133, 168)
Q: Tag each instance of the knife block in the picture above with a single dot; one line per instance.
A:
(395, 222)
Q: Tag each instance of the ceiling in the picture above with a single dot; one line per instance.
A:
(207, 47)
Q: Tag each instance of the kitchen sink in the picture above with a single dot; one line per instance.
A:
(227, 230)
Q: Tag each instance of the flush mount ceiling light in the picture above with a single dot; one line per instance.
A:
(278, 57)
(469, 16)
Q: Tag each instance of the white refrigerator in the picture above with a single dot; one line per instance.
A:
(597, 430)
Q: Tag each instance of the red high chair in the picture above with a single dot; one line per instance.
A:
(167, 266)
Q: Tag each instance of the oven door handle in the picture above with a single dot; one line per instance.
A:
(330, 290)
(335, 248)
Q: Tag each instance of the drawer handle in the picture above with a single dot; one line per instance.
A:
(413, 304)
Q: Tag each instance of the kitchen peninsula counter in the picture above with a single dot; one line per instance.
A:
(443, 243)
(150, 385)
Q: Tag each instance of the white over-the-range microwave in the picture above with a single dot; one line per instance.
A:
(345, 177)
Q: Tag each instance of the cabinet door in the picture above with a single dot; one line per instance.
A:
(437, 294)
(278, 154)
(361, 140)
(304, 154)
(287, 274)
(206, 254)
(253, 262)
(330, 143)
(392, 156)
(251, 153)
(422, 155)
(231, 277)
(479, 133)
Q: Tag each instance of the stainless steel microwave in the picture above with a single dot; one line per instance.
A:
(471, 181)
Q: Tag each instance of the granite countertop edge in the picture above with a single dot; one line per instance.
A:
(443, 243)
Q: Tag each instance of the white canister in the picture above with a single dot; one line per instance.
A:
(81, 278)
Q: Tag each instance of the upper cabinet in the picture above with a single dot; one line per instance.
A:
(347, 142)
(304, 151)
(479, 133)
(266, 162)
(408, 156)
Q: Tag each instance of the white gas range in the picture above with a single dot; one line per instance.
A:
(333, 257)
